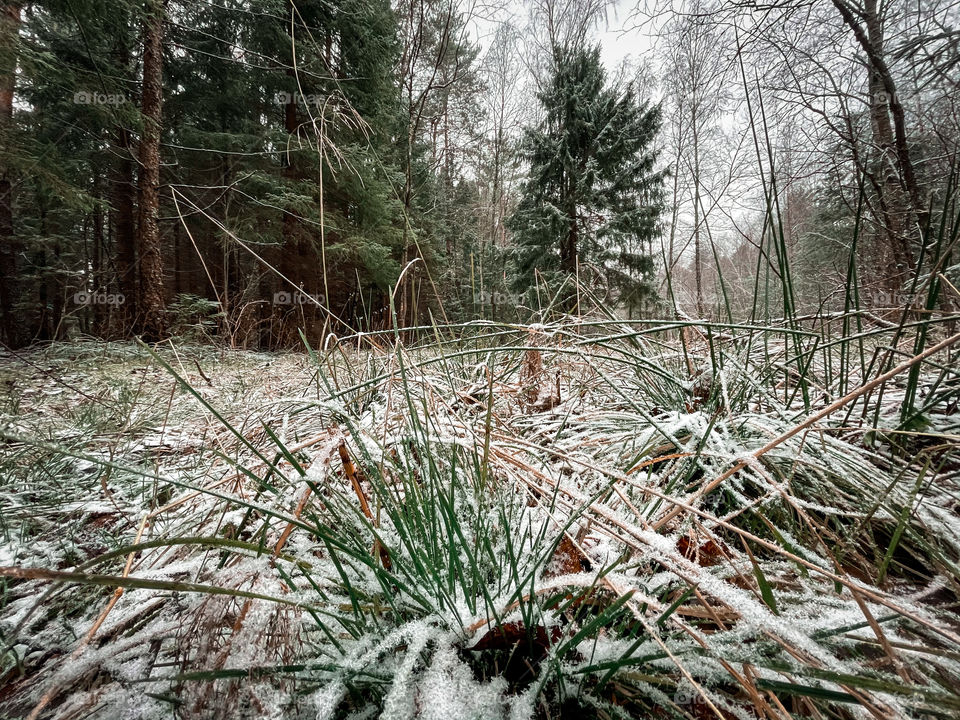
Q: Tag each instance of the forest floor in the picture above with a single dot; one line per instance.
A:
(590, 519)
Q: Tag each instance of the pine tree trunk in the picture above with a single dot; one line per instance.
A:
(44, 328)
(57, 291)
(122, 214)
(568, 244)
(95, 257)
(9, 28)
(290, 260)
(152, 297)
(124, 229)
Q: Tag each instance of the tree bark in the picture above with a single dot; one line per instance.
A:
(124, 228)
(697, 257)
(894, 202)
(94, 256)
(152, 301)
(291, 257)
(9, 29)
(122, 215)
(885, 99)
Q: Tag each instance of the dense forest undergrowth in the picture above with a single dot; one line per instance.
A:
(587, 518)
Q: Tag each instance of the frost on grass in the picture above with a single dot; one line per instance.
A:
(500, 543)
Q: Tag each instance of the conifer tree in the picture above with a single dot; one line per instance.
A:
(593, 195)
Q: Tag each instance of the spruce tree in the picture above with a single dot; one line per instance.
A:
(593, 195)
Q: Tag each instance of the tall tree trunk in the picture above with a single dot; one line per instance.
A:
(152, 297)
(403, 311)
(495, 202)
(697, 257)
(9, 28)
(894, 203)
(95, 257)
(122, 217)
(290, 257)
(44, 328)
(57, 290)
(124, 229)
(447, 171)
(906, 201)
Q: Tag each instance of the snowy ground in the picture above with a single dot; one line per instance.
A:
(532, 522)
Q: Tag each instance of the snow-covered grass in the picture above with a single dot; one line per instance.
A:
(591, 518)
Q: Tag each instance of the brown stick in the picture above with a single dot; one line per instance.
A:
(284, 536)
(351, 472)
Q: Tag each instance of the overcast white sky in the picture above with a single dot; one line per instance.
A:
(616, 42)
